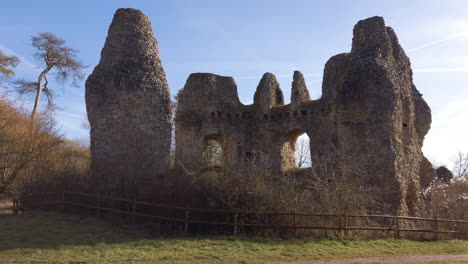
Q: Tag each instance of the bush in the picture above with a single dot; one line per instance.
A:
(34, 157)
(448, 200)
(444, 174)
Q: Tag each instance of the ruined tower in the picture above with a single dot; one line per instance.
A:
(380, 117)
(128, 104)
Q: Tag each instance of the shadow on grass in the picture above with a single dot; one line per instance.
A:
(49, 230)
(43, 236)
(43, 229)
(49, 236)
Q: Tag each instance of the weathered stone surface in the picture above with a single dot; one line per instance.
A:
(268, 93)
(370, 116)
(382, 118)
(128, 104)
(299, 92)
(426, 173)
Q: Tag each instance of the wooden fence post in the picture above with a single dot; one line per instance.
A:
(346, 223)
(15, 206)
(436, 228)
(63, 200)
(187, 215)
(294, 223)
(397, 223)
(455, 224)
(98, 205)
(461, 226)
(235, 223)
(133, 210)
(340, 218)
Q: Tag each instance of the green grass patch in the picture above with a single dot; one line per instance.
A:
(46, 237)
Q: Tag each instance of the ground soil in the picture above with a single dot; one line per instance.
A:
(394, 259)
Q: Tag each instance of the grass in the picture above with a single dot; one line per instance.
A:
(46, 237)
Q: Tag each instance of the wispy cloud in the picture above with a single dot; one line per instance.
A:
(25, 66)
(313, 75)
(314, 81)
(449, 69)
(72, 115)
(278, 76)
(6, 50)
(448, 129)
(459, 35)
(77, 91)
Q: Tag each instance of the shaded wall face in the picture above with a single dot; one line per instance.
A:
(377, 116)
(249, 133)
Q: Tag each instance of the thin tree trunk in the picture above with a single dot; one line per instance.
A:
(38, 93)
(38, 97)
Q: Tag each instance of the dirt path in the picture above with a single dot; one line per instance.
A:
(5, 207)
(421, 258)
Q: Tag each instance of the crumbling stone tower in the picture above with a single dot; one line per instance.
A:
(370, 115)
(128, 104)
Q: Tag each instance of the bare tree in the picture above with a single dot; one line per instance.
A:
(461, 165)
(6, 65)
(302, 153)
(57, 58)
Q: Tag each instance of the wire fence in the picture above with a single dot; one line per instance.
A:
(188, 219)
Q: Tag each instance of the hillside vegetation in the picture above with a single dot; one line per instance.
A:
(34, 156)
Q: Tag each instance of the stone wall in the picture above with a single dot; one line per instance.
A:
(370, 115)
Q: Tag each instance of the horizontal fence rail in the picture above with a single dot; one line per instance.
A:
(242, 220)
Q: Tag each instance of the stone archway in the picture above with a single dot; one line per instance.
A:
(213, 155)
(295, 153)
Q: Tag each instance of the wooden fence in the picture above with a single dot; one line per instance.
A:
(242, 221)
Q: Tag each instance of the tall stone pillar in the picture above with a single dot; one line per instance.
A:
(129, 105)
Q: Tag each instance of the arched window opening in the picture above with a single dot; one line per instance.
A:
(296, 150)
(212, 154)
(302, 152)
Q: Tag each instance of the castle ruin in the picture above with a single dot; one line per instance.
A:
(370, 112)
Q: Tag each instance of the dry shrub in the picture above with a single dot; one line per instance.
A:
(34, 157)
(448, 200)
(446, 197)
(325, 188)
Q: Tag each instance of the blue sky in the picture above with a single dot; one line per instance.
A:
(245, 39)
